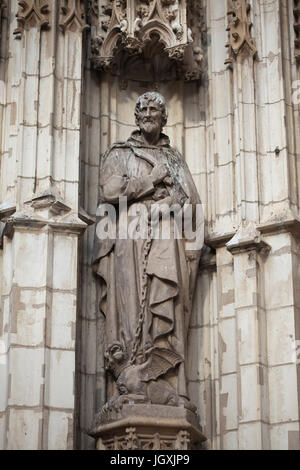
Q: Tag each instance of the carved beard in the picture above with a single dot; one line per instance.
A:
(150, 126)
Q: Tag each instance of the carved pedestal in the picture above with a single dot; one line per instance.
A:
(148, 427)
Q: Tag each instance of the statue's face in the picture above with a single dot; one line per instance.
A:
(150, 117)
(117, 353)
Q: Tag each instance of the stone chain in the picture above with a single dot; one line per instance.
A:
(144, 290)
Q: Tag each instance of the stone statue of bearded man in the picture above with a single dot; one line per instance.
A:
(147, 282)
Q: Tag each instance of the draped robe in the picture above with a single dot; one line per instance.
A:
(171, 269)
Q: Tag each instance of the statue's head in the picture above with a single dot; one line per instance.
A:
(115, 358)
(151, 112)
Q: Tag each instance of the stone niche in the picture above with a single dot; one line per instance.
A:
(148, 40)
(135, 46)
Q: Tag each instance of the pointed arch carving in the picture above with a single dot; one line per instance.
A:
(296, 11)
(32, 13)
(146, 29)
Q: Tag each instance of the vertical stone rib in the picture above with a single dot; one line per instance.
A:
(40, 257)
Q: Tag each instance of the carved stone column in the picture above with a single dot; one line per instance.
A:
(249, 251)
(241, 55)
(39, 207)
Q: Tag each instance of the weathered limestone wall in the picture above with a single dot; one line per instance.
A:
(40, 132)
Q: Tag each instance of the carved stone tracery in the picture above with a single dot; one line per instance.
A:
(130, 32)
(239, 30)
(72, 15)
(32, 13)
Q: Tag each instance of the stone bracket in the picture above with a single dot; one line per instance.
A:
(247, 238)
(290, 222)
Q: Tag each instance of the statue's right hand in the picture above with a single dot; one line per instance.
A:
(159, 173)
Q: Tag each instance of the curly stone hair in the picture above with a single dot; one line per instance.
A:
(156, 98)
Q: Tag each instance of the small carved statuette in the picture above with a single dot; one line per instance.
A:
(239, 31)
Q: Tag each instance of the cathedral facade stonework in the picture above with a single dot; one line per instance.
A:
(205, 354)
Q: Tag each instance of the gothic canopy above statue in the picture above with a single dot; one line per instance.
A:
(148, 40)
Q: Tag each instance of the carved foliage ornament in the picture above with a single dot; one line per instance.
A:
(297, 29)
(239, 30)
(149, 28)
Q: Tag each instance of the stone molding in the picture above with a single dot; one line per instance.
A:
(148, 28)
(296, 11)
(32, 13)
(240, 41)
(7, 209)
(208, 260)
(49, 199)
(247, 238)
